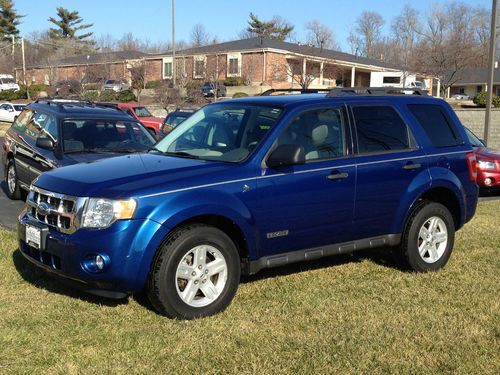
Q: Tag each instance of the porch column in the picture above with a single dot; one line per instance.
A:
(321, 66)
(438, 89)
(353, 76)
(448, 93)
(304, 67)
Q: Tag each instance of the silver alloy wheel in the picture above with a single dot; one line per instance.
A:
(11, 179)
(201, 276)
(432, 239)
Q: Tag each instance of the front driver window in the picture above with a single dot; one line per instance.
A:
(320, 132)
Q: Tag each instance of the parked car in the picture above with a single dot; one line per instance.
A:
(460, 97)
(175, 118)
(7, 82)
(68, 88)
(141, 113)
(488, 164)
(207, 89)
(253, 183)
(115, 85)
(51, 134)
(10, 111)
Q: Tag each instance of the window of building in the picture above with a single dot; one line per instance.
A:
(234, 65)
(320, 132)
(380, 129)
(167, 67)
(393, 80)
(479, 88)
(436, 124)
(199, 67)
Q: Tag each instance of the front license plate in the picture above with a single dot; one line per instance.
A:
(33, 236)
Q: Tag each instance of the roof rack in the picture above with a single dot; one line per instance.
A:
(302, 91)
(364, 90)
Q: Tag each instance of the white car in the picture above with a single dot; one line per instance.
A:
(9, 111)
(461, 97)
(7, 82)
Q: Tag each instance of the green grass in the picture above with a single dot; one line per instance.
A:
(348, 314)
(4, 126)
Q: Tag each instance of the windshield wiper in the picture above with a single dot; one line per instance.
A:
(182, 154)
(101, 150)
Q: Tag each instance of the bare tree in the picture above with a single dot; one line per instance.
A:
(138, 76)
(320, 35)
(199, 36)
(366, 37)
(215, 67)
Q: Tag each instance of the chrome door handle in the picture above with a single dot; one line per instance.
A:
(338, 176)
(410, 165)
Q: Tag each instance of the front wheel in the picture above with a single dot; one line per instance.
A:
(195, 273)
(13, 188)
(429, 237)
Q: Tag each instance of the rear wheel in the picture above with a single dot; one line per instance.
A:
(195, 273)
(13, 188)
(429, 237)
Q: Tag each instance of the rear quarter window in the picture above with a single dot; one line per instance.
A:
(437, 124)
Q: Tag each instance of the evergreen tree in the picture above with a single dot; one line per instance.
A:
(273, 29)
(69, 23)
(9, 18)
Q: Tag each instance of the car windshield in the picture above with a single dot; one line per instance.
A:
(19, 108)
(142, 112)
(473, 139)
(223, 132)
(174, 119)
(82, 135)
(110, 82)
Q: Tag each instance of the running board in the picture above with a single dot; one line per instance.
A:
(322, 251)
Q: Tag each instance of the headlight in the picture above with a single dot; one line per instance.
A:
(483, 164)
(101, 213)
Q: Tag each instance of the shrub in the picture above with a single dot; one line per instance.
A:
(495, 101)
(125, 96)
(107, 95)
(152, 84)
(234, 81)
(92, 86)
(480, 100)
(240, 94)
(91, 95)
(9, 95)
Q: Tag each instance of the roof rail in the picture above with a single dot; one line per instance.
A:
(364, 90)
(299, 90)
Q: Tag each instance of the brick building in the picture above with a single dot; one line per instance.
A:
(254, 61)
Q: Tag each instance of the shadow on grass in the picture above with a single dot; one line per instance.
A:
(384, 256)
(54, 284)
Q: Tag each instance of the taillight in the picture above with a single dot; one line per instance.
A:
(472, 164)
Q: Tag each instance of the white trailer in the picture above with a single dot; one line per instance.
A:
(396, 79)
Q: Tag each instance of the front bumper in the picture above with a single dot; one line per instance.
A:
(483, 175)
(129, 245)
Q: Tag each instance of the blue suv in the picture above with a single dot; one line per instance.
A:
(254, 183)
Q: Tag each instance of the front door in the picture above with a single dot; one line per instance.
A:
(310, 205)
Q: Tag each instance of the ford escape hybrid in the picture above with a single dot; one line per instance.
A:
(254, 183)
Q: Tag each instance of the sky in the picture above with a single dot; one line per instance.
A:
(151, 19)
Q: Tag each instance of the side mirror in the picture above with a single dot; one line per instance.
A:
(286, 155)
(45, 143)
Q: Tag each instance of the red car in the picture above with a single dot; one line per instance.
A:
(141, 113)
(488, 163)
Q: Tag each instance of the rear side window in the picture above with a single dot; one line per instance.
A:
(380, 129)
(436, 124)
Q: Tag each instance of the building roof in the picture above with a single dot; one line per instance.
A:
(259, 44)
(475, 76)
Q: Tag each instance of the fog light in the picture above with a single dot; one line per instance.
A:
(488, 181)
(99, 262)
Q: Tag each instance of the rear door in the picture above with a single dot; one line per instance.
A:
(388, 162)
(310, 205)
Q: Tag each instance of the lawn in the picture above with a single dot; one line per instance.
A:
(349, 314)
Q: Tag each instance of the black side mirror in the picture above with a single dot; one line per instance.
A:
(286, 155)
(45, 143)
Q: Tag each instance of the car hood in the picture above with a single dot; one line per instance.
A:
(488, 153)
(77, 158)
(131, 175)
(155, 120)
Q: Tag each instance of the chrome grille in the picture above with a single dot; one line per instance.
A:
(58, 211)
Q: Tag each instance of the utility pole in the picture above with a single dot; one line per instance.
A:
(491, 71)
(174, 70)
(24, 68)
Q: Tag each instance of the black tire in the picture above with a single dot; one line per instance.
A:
(15, 192)
(163, 282)
(421, 215)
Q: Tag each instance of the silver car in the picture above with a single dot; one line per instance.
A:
(115, 84)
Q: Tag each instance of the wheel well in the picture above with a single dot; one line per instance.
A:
(227, 226)
(448, 199)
